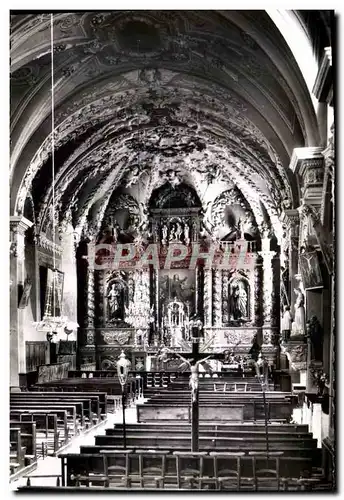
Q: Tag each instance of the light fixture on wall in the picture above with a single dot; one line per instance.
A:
(53, 321)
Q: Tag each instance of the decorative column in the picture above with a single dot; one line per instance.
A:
(208, 286)
(269, 348)
(18, 227)
(291, 220)
(258, 296)
(217, 297)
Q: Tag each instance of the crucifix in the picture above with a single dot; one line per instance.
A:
(193, 360)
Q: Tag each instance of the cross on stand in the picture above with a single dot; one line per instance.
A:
(193, 360)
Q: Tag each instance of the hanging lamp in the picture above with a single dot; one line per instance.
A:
(53, 323)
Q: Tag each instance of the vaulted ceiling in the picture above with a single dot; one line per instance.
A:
(208, 98)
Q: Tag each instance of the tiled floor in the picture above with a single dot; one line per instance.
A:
(52, 465)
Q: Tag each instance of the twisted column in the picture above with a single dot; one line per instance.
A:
(217, 297)
(207, 304)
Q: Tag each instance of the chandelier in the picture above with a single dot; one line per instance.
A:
(140, 314)
(53, 321)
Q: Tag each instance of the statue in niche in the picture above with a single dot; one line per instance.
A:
(172, 233)
(164, 234)
(186, 234)
(241, 228)
(179, 231)
(299, 323)
(237, 302)
(114, 302)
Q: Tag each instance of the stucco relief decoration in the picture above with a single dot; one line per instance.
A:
(90, 338)
(296, 354)
(234, 336)
(116, 337)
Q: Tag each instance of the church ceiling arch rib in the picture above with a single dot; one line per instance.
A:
(195, 98)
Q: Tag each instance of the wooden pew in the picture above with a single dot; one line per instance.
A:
(91, 410)
(63, 419)
(230, 410)
(294, 451)
(109, 385)
(17, 450)
(246, 426)
(206, 442)
(53, 426)
(72, 421)
(28, 437)
(99, 399)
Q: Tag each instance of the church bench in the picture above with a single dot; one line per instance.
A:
(294, 451)
(108, 385)
(66, 412)
(248, 427)
(99, 399)
(167, 412)
(232, 410)
(91, 410)
(210, 432)
(160, 468)
(177, 441)
(28, 436)
(50, 426)
(17, 450)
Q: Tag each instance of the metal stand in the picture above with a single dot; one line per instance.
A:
(123, 417)
(195, 406)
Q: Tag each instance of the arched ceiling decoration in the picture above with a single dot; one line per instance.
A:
(148, 97)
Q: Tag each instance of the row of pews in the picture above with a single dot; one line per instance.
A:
(235, 454)
(41, 423)
(46, 418)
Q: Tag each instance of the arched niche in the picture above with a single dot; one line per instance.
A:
(116, 298)
(239, 298)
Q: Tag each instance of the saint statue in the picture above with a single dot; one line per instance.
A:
(164, 234)
(299, 324)
(238, 302)
(172, 234)
(113, 302)
(186, 234)
(179, 231)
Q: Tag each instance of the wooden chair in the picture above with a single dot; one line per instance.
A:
(189, 467)
(152, 468)
(227, 470)
(116, 467)
(266, 470)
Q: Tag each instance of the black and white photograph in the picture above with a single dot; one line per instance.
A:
(172, 250)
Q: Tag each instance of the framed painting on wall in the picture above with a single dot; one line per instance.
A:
(310, 270)
(25, 297)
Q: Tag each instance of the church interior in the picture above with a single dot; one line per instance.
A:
(172, 228)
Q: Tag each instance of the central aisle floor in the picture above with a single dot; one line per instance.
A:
(52, 465)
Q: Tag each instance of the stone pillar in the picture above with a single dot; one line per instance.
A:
(18, 227)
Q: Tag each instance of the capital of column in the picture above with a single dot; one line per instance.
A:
(308, 164)
(19, 224)
(267, 255)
